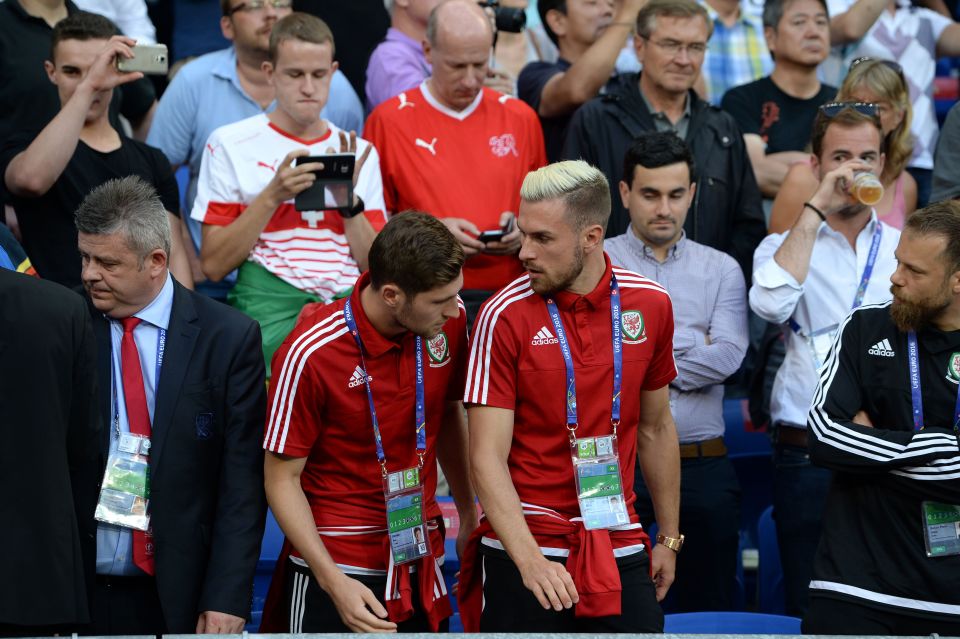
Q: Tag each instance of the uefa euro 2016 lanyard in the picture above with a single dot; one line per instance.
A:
(819, 342)
(125, 490)
(596, 460)
(941, 522)
(402, 490)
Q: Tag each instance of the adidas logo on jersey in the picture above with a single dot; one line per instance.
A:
(882, 349)
(543, 336)
(357, 378)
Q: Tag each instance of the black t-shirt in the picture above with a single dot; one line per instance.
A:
(46, 222)
(530, 85)
(783, 121)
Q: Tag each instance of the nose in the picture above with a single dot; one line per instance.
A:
(526, 251)
(307, 86)
(896, 278)
(452, 309)
(89, 272)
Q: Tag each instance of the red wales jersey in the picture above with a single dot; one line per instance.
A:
(516, 363)
(318, 409)
(467, 164)
(307, 249)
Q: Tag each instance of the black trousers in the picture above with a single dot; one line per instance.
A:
(126, 606)
(830, 616)
(312, 610)
(510, 607)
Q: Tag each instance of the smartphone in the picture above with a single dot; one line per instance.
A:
(147, 58)
(333, 188)
(497, 235)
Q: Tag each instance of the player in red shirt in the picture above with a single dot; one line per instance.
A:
(459, 151)
(567, 386)
(364, 403)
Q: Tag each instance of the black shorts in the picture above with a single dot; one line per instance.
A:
(311, 610)
(510, 607)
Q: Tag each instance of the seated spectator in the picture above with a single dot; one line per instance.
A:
(671, 40)
(589, 36)
(248, 181)
(709, 341)
(398, 63)
(777, 111)
(737, 53)
(946, 164)
(50, 174)
(130, 16)
(877, 82)
(930, 36)
(224, 87)
(458, 150)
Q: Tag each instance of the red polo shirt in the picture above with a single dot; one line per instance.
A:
(318, 409)
(516, 363)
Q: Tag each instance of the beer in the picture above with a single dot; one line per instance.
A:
(867, 188)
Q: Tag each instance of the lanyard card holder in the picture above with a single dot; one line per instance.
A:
(596, 465)
(125, 492)
(941, 529)
(403, 493)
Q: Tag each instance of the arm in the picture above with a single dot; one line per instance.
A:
(720, 357)
(658, 451)
(770, 169)
(141, 126)
(491, 433)
(798, 185)
(565, 91)
(357, 605)
(452, 455)
(179, 262)
(749, 225)
(239, 518)
(854, 23)
(948, 45)
(32, 172)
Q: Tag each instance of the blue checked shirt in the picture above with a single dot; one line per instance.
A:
(735, 55)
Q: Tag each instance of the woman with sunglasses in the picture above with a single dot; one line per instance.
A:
(869, 82)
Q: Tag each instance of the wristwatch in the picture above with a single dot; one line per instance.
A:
(673, 543)
(354, 210)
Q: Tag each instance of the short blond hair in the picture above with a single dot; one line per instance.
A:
(583, 188)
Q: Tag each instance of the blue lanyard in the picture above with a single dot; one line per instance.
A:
(421, 419)
(864, 279)
(571, 398)
(916, 398)
(161, 347)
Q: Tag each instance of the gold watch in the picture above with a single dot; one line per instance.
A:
(673, 543)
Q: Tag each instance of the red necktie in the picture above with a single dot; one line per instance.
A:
(138, 418)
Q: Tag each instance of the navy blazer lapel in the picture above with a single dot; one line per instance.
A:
(101, 331)
(182, 335)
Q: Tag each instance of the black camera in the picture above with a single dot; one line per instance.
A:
(509, 19)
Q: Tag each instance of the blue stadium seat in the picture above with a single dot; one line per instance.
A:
(772, 597)
(269, 551)
(746, 623)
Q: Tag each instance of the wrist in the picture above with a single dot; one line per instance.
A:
(329, 578)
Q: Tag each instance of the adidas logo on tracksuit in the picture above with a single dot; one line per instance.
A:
(882, 349)
(357, 378)
(543, 336)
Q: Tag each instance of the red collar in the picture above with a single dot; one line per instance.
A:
(374, 344)
(595, 298)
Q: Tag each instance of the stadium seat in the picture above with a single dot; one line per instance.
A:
(746, 623)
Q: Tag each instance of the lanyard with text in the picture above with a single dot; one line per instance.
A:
(161, 347)
(916, 398)
(403, 489)
(596, 460)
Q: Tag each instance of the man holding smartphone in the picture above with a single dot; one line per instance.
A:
(249, 178)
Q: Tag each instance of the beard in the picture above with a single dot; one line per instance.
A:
(914, 315)
(548, 285)
(850, 211)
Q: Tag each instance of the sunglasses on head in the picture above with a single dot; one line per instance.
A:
(833, 109)
(890, 64)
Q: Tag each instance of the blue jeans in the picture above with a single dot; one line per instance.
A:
(799, 492)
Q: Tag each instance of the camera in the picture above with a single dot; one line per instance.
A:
(509, 19)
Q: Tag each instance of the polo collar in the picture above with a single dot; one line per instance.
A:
(374, 344)
(595, 299)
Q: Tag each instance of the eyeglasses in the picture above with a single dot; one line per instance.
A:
(833, 109)
(253, 6)
(890, 64)
(673, 47)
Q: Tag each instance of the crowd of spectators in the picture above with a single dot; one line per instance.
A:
(726, 144)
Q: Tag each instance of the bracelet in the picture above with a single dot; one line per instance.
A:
(807, 205)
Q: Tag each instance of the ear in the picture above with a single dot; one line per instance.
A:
(770, 35)
(427, 51)
(50, 68)
(267, 67)
(157, 262)
(625, 194)
(881, 163)
(693, 191)
(815, 166)
(392, 296)
(226, 28)
(592, 238)
(557, 21)
(638, 45)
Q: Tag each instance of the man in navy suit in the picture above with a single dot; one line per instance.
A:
(181, 383)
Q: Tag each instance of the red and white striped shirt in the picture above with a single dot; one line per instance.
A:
(307, 249)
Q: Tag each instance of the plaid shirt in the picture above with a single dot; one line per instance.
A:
(735, 55)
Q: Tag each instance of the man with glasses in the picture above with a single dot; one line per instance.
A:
(837, 256)
(227, 86)
(726, 213)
